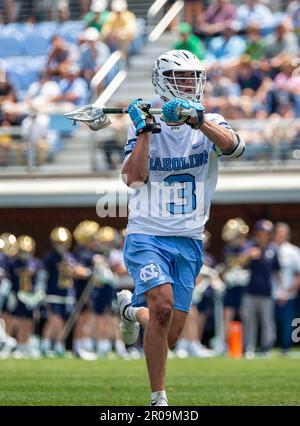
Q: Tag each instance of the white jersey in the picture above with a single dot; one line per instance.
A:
(289, 259)
(183, 173)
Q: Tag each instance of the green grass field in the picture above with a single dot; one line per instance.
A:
(220, 381)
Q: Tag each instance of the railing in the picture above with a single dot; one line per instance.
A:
(113, 60)
(163, 24)
(154, 10)
(79, 151)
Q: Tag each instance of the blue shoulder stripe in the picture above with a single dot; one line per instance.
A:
(128, 148)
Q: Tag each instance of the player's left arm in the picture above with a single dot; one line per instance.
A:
(228, 142)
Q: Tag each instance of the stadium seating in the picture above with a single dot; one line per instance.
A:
(12, 45)
(36, 44)
(24, 48)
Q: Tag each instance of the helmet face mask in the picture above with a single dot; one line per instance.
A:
(179, 74)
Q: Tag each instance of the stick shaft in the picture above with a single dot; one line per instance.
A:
(77, 310)
(153, 111)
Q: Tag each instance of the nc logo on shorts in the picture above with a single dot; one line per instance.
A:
(149, 271)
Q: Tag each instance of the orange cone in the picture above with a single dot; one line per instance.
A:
(235, 340)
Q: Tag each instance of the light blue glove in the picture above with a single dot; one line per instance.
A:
(137, 115)
(171, 111)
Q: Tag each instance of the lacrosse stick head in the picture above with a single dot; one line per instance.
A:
(92, 116)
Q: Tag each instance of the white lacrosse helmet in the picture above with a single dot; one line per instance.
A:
(169, 83)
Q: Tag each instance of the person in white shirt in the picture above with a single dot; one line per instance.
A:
(174, 174)
(41, 92)
(254, 11)
(285, 299)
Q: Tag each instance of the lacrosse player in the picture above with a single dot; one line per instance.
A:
(59, 265)
(175, 173)
(25, 272)
(8, 250)
(106, 323)
(236, 278)
(85, 236)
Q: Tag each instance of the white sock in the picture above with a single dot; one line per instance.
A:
(77, 345)
(88, 344)
(46, 344)
(23, 348)
(182, 344)
(120, 347)
(104, 346)
(59, 347)
(130, 313)
(156, 395)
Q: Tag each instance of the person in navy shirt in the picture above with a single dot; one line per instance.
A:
(24, 273)
(234, 233)
(8, 251)
(4, 271)
(85, 250)
(262, 261)
(59, 265)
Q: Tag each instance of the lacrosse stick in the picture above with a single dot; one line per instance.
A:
(96, 118)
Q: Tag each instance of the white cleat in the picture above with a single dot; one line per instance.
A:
(196, 349)
(129, 329)
(9, 345)
(249, 355)
(160, 402)
(86, 355)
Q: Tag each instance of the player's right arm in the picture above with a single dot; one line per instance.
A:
(136, 169)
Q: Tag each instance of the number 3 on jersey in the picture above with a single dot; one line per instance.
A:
(185, 197)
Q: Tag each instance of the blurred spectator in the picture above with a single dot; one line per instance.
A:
(93, 52)
(219, 15)
(248, 77)
(255, 41)
(285, 296)
(11, 114)
(5, 146)
(254, 11)
(121, 27)
(10, 10)
(283, 41)
(262, 262)
(98, 15)
(7, 96)
(222, 86)
(193, 11)
(114, 147)
(189, 41)
(7, 91)
(227, 47)
(60, 53)
(293, 11)
(35, 128)
(285, 91)
(73, 88)
(63, 11)
(41, 92)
